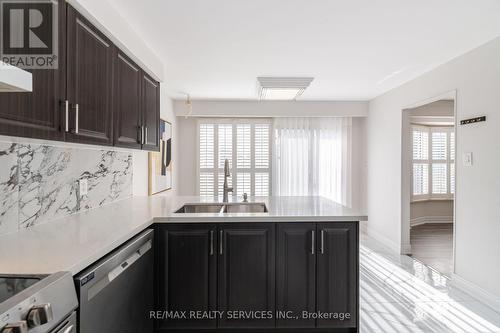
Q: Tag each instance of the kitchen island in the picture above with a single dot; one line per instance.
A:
(292, 267)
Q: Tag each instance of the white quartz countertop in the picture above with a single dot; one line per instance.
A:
(75, 242)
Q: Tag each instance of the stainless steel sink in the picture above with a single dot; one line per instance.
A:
(201, 208)
(244, 207)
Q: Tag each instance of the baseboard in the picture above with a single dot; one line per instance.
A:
(384, 240)
(430, 219)
(477, 292)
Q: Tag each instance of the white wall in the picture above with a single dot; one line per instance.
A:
(359, 164)
(273, 109)
(140, 180)
(476, 77)
(186, 175)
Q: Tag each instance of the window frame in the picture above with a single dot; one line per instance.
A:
(430, 196)
(234, 166)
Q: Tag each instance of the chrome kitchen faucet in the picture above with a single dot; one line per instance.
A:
(227, 189)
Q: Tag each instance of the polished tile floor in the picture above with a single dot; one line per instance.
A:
(399, 294)
(432, 244)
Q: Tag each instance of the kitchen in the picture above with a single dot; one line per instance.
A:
(150, 183)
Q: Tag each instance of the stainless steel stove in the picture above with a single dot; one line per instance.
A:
(38, 304)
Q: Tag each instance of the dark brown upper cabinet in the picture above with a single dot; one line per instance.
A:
(150, 113)
(89, 82)
(38, 114)
(136, 106)
(97, 95)
(127, 102)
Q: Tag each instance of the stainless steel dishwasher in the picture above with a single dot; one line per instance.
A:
(116, 293)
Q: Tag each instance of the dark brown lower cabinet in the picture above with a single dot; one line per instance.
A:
(295, 274)
(242, 270)
(337, 281)
(246, 281)
(187, 274)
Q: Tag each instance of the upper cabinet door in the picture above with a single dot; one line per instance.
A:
(127, 102)
(39, 114)
(150, 113)
(89, 82)
(246, 277)
(337, 279)
(296, 273)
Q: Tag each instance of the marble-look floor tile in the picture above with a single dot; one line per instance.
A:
(438, 317)
(8, 188)
(400, 294)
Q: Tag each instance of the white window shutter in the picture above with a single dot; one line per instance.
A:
(207, 184)
(206, 153)
(262, 184)
(420, 179)
(439, 146)
(262, 146)
(452, 178)
(452, 146)
(420, 145)
(246, 144)
(243, 144)
(439, 178)
(225, 144)
(244, 183)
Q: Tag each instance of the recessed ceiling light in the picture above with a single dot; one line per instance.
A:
(282, 88)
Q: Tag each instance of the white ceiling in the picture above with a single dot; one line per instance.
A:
(355, 49)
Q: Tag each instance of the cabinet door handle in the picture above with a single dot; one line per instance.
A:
(66, 116)
(77, 111)
(322, 241)
(142, 135)
(211, 242)
(145, 134)
(221, 234)
(313, 245)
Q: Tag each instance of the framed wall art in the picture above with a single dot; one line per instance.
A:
(160, 163)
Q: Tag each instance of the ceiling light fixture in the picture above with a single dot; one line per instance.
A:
(282, 88)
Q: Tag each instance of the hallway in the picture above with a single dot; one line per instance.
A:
(401, 295)
(432, 244)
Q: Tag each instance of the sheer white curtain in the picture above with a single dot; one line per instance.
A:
(311, 157)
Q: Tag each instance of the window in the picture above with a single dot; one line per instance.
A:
(246, 144)
(433, 162)
(312, 157)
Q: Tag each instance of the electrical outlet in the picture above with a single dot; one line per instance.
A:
(84, 186)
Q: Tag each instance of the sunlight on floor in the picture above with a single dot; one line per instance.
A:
(399, 294)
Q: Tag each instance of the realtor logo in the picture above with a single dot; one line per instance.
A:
(29, 33)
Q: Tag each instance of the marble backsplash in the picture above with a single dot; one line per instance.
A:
(39, 183)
